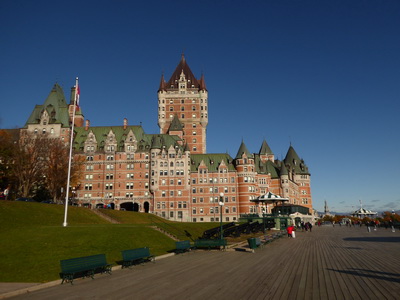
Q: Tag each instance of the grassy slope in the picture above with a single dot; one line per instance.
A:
(34, 241)
(182, 230)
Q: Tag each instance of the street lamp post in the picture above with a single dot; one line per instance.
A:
(263, 218)
(221, 205)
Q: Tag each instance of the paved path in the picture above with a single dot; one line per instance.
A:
(328, 263)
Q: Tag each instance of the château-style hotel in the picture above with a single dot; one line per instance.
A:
(170, 173)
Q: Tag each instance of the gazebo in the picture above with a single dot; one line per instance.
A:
(362, 213)
(271, 198)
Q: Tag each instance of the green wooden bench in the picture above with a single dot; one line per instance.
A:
(182, 246)
(136, 256)
(202, 243)
(85, 266)
(267, 239)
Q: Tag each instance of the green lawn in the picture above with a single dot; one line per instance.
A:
(34, 240)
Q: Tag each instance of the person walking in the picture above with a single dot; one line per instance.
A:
(290, 230)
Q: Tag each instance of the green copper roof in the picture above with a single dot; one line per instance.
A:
(265, 149)
(284, 170)
(56, 107)
(211, 161)
(157, 142)
(176, 125)
(144, 141)
(243, 149)
(266, 167)
(294, 161)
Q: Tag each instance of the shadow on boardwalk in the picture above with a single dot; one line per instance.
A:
(328, 263)
(393, 277)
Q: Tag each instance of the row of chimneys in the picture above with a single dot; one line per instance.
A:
(87, 124)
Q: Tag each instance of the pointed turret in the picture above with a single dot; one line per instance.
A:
(176, 125)
(284, 170)
(202, 83)
(186, 148)
(294, 162)
(265, 149)
(162, 83)
(243, 149)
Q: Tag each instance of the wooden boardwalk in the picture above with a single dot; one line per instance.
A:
(327, 263)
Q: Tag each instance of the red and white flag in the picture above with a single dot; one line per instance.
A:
(77, 93)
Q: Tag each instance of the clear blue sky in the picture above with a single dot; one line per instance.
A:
(322, 75)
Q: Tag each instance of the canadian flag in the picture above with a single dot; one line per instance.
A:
(77, 93)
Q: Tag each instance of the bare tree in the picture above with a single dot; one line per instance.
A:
(28, 163)
(8, 144)
(56, 168)
(37, 161)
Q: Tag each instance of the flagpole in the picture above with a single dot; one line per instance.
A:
(70, 154)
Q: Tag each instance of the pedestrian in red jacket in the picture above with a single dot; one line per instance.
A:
(290, 230)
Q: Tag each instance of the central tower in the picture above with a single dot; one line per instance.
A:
(184, 99)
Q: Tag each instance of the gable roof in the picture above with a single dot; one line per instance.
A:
(212, 161)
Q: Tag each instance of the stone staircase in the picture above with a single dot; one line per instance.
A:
(104, 216)
(165, 232)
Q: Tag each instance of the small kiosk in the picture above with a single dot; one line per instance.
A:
(277, 218)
